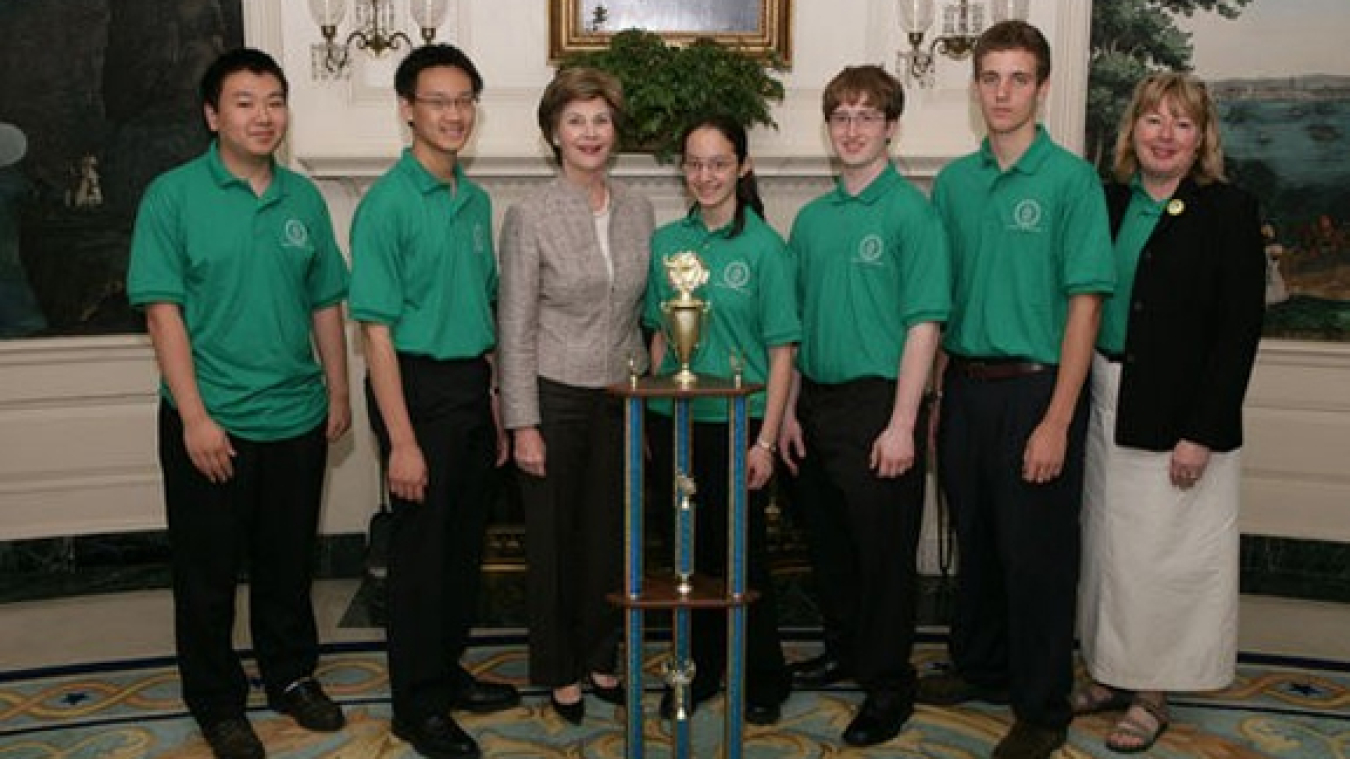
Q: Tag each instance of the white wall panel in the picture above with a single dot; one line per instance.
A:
(77, 415)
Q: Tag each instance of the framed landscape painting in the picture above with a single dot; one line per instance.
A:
(1280, 77)
(756, 26)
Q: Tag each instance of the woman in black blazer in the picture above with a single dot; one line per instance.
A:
(1158, 595)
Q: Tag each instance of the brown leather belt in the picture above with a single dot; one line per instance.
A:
(986, 370)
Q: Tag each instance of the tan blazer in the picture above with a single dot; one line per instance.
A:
(559, 314)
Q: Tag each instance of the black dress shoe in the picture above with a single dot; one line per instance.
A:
(950, 689)
(233, 738)
(879, 719)
(481, 697)
(310, 707)
(614, 694)
(763, 714)
(437, 737)
(574, 712)
(820, 671)
(1028, 741)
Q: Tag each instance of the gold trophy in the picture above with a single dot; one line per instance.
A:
(685, 313)
(686, 489)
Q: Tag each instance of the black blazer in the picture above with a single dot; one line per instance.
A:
(1195, 319)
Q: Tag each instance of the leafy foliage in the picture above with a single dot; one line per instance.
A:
(665, 86)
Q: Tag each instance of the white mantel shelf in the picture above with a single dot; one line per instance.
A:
(628, 165)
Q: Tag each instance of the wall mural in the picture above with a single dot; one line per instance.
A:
(1280, 76)
(97, 97)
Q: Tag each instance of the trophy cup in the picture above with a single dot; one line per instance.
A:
(685, 314)
(679, 675)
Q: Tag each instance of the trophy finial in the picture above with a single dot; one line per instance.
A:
(685, 313)
(686, 272)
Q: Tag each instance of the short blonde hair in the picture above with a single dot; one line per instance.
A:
(573, 84)
(1190, 97)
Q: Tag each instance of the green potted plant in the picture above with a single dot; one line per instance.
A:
(665, 86)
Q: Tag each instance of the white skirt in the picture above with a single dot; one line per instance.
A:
(1158, 598)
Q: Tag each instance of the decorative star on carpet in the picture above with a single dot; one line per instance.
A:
(75, 698)
(1308, 690)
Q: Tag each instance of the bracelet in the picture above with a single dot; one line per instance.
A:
(933, 395)
(770, 447)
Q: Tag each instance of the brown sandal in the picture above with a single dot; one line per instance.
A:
(1131, 736)
(1096, 698)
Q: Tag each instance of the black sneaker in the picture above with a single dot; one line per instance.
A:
(310, 707)
(233, 738)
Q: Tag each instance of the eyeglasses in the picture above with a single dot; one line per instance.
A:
(861, 119)
(717, 166)
(440, 104)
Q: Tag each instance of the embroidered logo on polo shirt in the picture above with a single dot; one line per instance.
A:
(1027, 215)
(736, 275)
(295, 234)
(870, 249)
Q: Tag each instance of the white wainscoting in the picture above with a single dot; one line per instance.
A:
(77, 415)
(77, 435)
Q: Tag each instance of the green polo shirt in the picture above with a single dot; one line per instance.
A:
(423, 264)
(1023, 242)
(1141, 217)
(248, 272)
(869, 267)
(752, 297)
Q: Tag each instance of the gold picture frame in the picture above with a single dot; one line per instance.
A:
(573, 26)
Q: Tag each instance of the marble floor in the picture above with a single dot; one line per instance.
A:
(137, 625)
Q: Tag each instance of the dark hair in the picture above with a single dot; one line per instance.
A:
(747, 188)
(1014, 35)
(871, 83)
(577, 84)
(431, 56)
(232, 62)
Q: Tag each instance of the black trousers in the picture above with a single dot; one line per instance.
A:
(574, 521)
(766, 677)
(263, 519)
(436, 547)
(1018, 542)
(863, 529)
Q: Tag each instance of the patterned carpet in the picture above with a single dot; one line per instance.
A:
(131, 710)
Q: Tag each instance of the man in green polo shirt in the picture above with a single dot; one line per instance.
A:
(234, 262)
(424, 279)
(1031, 255)
(874, 279)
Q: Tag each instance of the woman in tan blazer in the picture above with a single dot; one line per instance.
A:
(574, 258)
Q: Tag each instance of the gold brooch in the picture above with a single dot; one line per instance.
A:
(1176, 206)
